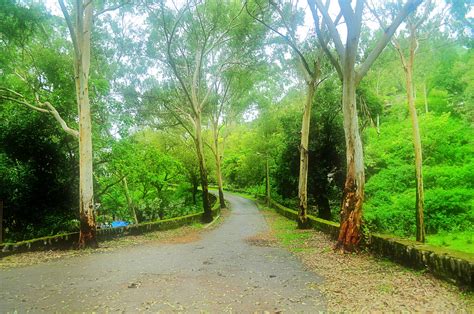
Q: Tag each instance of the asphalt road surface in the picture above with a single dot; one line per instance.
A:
(221, 272)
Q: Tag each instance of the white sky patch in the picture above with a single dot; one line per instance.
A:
(251, 113)
(53, 7)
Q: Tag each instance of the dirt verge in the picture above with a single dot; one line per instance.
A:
(361, 282)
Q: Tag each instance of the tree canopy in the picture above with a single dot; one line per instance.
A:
(305, 102)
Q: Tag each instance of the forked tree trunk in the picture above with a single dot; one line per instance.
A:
(303, 177)
(353, 194)
(207, 216)
(87, 236)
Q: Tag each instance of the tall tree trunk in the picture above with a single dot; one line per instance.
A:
(267, 181)
(408, 64)
(207, 216)
(353, 194)
(131, 206)
(408, 67)
(303, 177)
(420, 227)
(218, 167)
(87, 236)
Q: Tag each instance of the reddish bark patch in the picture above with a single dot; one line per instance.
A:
(87, 234)
(351, 217)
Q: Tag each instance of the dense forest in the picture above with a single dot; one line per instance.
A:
(358, 113)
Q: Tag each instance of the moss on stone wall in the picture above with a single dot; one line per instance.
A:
(453, 266)
(69, 240)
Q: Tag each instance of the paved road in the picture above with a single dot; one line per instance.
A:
(219, 273)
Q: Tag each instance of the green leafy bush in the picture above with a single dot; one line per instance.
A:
(448, 176)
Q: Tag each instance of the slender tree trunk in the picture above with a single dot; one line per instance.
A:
(324, 210)
(408, 65)
(425, 94)
(378, 124)
(218, 167)
(207, 216)
(87, 235)
(267, 181)
(219, 183)
(131, 206)
(420, 227)
(353, 194)
(195, 190)
(303, 178)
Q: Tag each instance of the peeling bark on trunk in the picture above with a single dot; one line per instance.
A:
(420, 227)
(353, 194)
(207, 216)
(87, 236)
(344, 61)
(303, 177)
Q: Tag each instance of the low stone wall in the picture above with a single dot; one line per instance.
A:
(456, 267)
(329, 227)
(453, 266)
(69, 240)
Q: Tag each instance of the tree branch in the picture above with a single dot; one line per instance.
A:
(304, 63)
(331, 27)
(408, 8)
(324, 44)
(104, 190)
(50, 109)
(67, 17)
(61, 121)
(113, 8)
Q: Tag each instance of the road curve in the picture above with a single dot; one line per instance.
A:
(221, 272)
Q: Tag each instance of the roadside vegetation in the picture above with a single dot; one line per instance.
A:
(361, 282)
(129, 110)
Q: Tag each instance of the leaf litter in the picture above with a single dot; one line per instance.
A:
(364, 283)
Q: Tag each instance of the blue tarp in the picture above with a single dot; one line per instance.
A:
(119, 223)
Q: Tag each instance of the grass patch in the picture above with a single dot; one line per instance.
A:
(245, 195)
(459, 241)
(286, 231)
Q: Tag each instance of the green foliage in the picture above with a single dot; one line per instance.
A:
(155, 182)
(459, 241)
(448, 176)
(154, 172)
